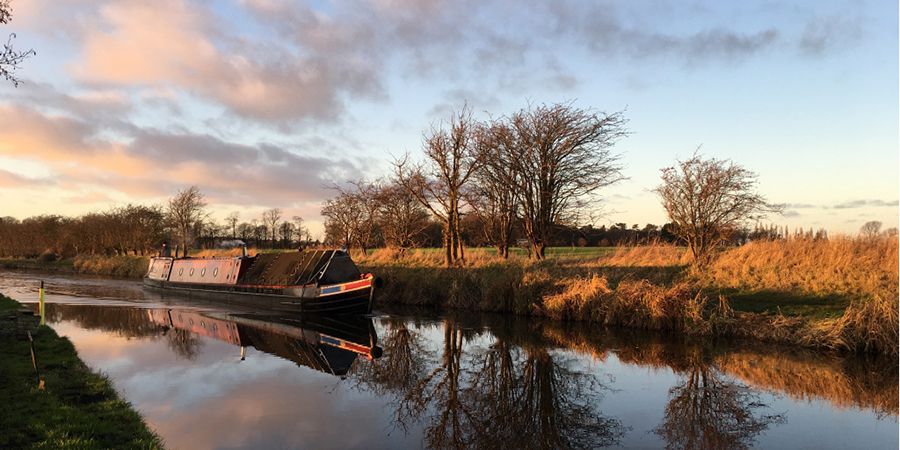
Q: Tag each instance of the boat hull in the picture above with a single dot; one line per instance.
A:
(351, 302)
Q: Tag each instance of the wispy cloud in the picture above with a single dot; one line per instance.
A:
(285, 61)
(864, 203)
(822, 35)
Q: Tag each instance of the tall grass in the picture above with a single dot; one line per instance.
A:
(117, 266)
(659, 255)
(841, 265)
(637, 287)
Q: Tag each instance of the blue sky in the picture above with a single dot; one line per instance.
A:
(264, 103)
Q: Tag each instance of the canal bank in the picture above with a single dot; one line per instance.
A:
(838, 294)
(61, 404)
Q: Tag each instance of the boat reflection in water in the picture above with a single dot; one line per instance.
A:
(326, 344)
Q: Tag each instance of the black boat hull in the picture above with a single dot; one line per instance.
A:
(351, 302)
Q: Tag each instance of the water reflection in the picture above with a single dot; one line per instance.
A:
(471, 381)
(326, 344)
(707, 410)
(494, 395)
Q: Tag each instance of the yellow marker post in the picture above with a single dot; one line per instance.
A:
(41, 301)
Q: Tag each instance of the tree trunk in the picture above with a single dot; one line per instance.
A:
(448, 244)
(459, 242)
(538, 250)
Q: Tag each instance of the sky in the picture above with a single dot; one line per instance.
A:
(269, 103)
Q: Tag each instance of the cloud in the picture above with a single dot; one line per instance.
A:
(822, 35)
(282, 63)
(845, 205)
(146, 162)
(13, 180)
(863, 203)
(184, 45)
(791, 214)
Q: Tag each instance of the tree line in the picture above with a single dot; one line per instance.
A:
(140, 230)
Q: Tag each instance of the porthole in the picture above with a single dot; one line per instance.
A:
(203, 272)
(192, 272)
(181, 271)
(215, 272)
(191, 321)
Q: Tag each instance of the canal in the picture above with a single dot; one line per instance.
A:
(205, 376)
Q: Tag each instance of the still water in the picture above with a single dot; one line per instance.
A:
(204, 376)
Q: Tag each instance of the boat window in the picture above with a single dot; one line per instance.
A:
(180, 271)
(203, 272)
(216, 272)
(192, 272)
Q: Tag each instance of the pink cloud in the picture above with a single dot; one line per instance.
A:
(149, 163)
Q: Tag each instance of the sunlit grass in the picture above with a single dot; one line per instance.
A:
(77, 409)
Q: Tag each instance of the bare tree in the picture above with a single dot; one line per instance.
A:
(245, 231)
(352, 216)
(365, 194)
(270, 218)
(342, 214)
(183, 211)
(287, 231)
(493, 198)
(299, 229)
(561, 156)
(401, 217)
(231, 220)
(451, 159)
(870, 229)
(708, 199)
(9, 56)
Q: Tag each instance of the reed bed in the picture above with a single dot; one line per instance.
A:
(840, 265)
(658, 255)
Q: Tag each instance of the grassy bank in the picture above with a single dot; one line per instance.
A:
(76, 408)
(838, 294)
(115, 266)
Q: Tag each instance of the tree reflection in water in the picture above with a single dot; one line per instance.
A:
(706, 410)
(400, 369)
(183, 343)
(502, 396)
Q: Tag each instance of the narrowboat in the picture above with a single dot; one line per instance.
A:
(308, 281)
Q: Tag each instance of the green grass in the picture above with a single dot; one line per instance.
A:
(810, 306)
(77, 409)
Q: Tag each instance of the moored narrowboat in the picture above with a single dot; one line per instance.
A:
(309, 281)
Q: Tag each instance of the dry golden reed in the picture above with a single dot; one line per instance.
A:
(840, 265)
(659, 255)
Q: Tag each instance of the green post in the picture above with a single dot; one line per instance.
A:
(41, 301)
